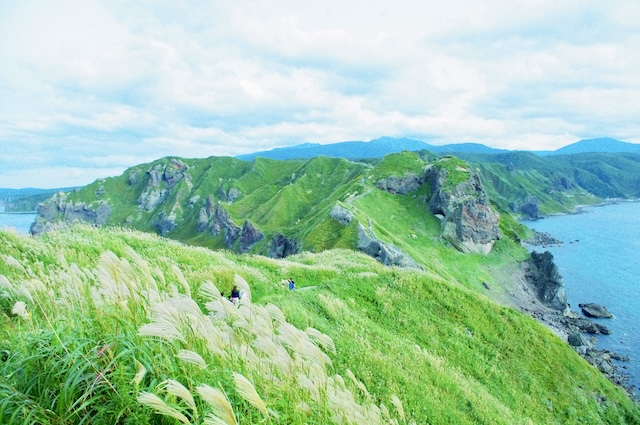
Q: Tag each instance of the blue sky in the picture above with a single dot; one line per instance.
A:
(89, 88)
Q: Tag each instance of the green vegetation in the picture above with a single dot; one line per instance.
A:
(116, 326)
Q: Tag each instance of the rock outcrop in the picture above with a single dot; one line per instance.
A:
(341, 214)
(542, 274)
(282, 247)
(384, 253)
(595, 310)
(223, 224)
(249, 236)
(162, 178)
(57, 209)
(468, 221)
(402, 185)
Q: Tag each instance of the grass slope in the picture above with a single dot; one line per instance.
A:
(116, 326)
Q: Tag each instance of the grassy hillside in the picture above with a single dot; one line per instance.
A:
(563, 181)
(114, 326)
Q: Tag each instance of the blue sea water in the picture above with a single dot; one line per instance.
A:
(599, 261)
(20, 222)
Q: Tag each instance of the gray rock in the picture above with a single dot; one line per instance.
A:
(229, 195)
(595, 311)
(151, 197)
(57, 209)
(401, 185)
(249, 236)
(133, 177)
(470, 224)
(590, 327)
(542, 274)
(165, 223)
(223, 224)
(282, 247)
(386, 254)
(341, 214)
(576, 339)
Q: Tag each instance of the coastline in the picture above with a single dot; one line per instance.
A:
(577, 330)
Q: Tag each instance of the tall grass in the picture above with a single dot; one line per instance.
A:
(123, 340)
(116, 326)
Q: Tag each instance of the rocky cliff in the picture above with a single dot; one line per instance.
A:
(468, 221)
(542, 274)
(59, 209)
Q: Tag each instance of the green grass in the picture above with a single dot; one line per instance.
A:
(83, 353)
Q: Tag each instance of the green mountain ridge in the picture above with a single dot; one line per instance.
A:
(268, 206)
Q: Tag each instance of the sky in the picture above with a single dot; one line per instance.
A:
(89, 88)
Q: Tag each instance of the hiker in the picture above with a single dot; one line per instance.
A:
(235, 295)
(292, 284)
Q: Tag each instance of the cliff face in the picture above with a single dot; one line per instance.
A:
(469, 222)
(59, 209)
(542, 274)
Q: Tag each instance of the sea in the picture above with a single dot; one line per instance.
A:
(599, 261)
(18, 221)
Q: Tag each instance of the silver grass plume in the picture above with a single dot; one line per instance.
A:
(139, 376)
(192, 357)
(20, 309)
(219, 403)
(209, 291)
(12, 262)
(153, 401)
(248, 392)
(181, 279)
(243, 285)
(323, 340)
(275, 313)
(398, 405)
(176, 389)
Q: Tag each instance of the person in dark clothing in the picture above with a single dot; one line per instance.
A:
(292, 284)
(235, 295)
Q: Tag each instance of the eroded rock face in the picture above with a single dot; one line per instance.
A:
(223, 224)
(282, 247)
(542, 274)
(341, 214)
(249, 236)
(156, 192)
(386, 254)
(469, 223)
(57, 209)
(401, 185)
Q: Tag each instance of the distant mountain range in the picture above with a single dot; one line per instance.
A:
(378, 148)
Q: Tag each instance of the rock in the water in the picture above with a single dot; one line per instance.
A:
(590, 327)
(595, 311)
(58, 208)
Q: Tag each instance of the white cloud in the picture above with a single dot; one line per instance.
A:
(143, 80)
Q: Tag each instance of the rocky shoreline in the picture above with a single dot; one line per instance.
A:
(538, 295)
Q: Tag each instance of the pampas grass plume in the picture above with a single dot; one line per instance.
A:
(153, 401)
(248, 392)
(219, 403)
